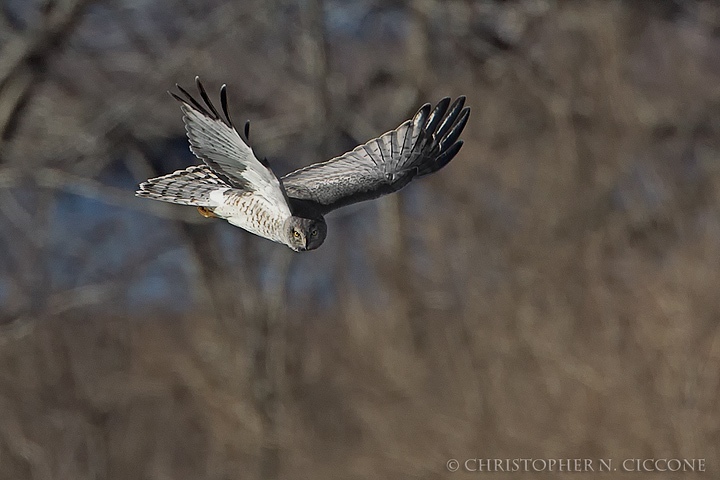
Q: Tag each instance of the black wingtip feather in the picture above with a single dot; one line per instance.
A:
(224, 103)
(437, 115)
(450, 118)
(442, 160)
(205, 98)
(422, 114)
(247, 131)
(454, 134)
(175, 96)
(189, 100)
(444, 127)
(208, 109)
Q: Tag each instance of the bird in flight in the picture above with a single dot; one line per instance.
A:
(233, 184)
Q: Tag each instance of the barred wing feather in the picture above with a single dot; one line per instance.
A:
(385, 164)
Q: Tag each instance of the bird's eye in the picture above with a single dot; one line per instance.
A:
(313, 233)
(296, 234)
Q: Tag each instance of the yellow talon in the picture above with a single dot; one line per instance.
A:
(206, 212)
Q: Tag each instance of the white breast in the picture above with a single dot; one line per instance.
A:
(252, 212)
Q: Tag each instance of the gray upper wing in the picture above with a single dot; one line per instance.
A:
(215, 141)
(419, 146)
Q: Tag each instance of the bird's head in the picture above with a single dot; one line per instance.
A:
(303, 234)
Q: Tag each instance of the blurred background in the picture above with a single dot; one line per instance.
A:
(552, 293)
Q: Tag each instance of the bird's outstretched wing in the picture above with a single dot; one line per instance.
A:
(215, 141)
(418, 147)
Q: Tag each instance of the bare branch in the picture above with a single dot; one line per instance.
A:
(38, 44)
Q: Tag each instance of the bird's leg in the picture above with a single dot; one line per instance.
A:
(206, 212)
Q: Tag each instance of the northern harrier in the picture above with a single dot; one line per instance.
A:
(236, 185)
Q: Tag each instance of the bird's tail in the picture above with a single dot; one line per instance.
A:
(191, 186)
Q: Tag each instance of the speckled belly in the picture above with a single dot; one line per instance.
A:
(252, 213)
